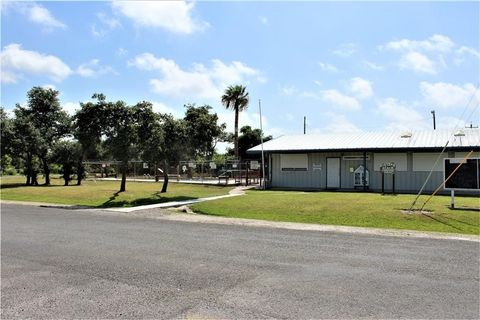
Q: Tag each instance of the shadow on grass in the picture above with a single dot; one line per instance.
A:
(155, 198)
(442, 222)
(464, 209)
(19, 185)
(12, 185)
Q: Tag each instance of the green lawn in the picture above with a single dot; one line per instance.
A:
(350, 209)
(104, 193)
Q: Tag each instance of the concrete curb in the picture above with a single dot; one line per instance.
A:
(197, 218)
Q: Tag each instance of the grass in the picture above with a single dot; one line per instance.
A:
(103, 193)
(350, 209)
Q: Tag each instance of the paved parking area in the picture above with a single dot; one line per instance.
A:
(61, 263)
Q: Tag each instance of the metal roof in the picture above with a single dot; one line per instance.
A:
(371, 141)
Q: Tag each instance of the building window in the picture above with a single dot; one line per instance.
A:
(294, 162)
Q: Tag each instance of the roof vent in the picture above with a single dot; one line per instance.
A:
(406, 135)
(459, 133)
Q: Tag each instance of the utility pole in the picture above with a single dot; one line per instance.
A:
(304, 125)
(433, 115)
(261, 140)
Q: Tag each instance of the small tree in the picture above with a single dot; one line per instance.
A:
(66, 153)
(121, 135)
(203, 130)
(151, 138)
(249, 138)
(49, 119)
(88, 125)
(25, 141)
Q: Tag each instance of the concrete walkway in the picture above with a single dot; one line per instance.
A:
(238, 191)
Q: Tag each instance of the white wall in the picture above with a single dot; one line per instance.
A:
(400, 160)
(425, 161)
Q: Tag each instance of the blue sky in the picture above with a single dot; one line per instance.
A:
(346, 66)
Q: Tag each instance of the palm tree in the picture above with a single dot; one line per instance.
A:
(235, 98)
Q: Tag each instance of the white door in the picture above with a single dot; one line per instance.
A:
(333, 172)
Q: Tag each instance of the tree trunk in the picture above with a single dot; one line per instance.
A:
(124, 177)
(236, 133)
(165, 177)
(66, 173)
(46, 170)
(80, 170)
(28, 165)
(34, 181)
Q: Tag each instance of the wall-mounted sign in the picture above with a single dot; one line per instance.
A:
(254, 165)
(317, 166)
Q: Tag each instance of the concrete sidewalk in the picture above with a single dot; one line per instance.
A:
(238, 191)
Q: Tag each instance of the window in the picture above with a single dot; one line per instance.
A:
(294, 162)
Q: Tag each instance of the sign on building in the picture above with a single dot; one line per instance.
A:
(254, 165)
(388, 168)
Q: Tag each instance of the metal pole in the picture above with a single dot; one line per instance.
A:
(433, 115)
(452, 199)
(261, 141)
(304, 125)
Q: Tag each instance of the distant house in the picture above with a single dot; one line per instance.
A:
(337, 161)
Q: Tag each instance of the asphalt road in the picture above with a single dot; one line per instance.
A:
(59, 263)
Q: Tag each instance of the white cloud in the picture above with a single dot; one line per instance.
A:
(469, 50)
(360, 88)
(327, 67)
(93, 69)
(288, 91)
(345, 50)
(163, 108)
(108, 23)
(71, 107)
(437, 43)
(98, 33)
(418, 62)
(122, 52)
(49, 86)
(42, 16)
(199, 81)
(175, 16)
(15, 61)
(400, 115)
(8, 77)
(338, 123)
(340, 100)
(422, 56)
(462, 52)
(35, 12)
(447, 95)
(373, 65)
(264, 20)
